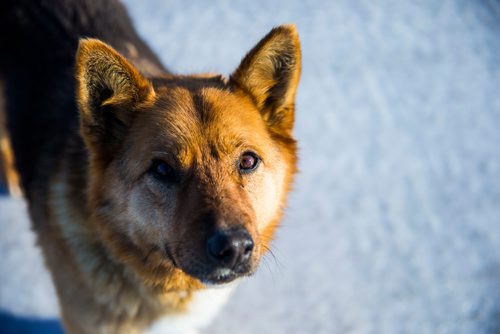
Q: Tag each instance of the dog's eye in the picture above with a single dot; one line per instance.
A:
(249, 162)
(163, 171)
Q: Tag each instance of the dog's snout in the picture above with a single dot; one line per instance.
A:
(230, 248)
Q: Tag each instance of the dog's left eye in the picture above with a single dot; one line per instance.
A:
(163, 171)
(249, 162)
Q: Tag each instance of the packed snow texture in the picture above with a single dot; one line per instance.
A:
(394, 222)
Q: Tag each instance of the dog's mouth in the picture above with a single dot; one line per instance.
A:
(224, 275)
(219, 276)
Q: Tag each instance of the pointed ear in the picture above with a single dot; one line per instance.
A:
(109, 92)
(270, 73)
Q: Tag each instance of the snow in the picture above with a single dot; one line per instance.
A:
(394, 223)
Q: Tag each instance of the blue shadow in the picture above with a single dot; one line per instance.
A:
(11, 324)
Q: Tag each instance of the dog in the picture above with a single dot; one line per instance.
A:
(151, 193)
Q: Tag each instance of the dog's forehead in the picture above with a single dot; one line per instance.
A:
(193, 121)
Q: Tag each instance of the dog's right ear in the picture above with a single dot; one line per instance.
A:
(110, 91)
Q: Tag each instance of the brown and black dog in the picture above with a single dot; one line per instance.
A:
(148, 188)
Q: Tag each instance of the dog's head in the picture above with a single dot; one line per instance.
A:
(189, 174)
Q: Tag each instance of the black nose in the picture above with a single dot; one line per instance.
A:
(230, 248)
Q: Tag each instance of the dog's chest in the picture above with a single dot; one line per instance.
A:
(200, 312)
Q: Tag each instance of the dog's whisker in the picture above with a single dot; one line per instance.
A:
(271, 253)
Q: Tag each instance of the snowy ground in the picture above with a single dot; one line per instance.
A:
(394, 225)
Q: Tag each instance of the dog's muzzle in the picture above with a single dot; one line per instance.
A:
(227, 256)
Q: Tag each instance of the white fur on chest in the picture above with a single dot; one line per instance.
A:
(201, 310)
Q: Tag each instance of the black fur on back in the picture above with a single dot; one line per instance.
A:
(38, 42)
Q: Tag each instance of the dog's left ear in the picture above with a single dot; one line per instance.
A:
(270, 73)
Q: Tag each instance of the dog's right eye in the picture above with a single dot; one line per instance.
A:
(163, 171)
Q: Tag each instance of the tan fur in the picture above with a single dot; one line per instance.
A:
(125, 249)
(8, 173)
